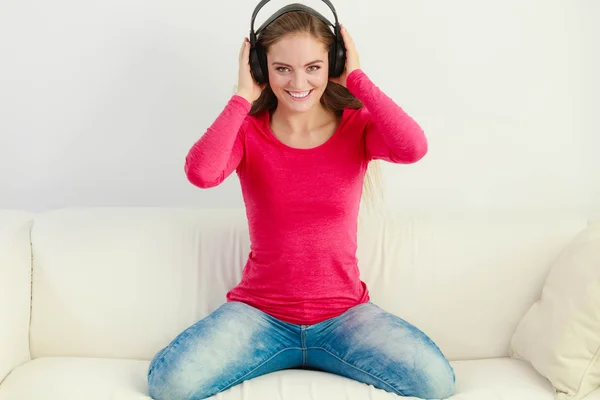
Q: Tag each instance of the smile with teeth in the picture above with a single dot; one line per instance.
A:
(299, 95)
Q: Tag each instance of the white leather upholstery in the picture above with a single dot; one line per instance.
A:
(75, 379)
(15, 289)
(123, 282)
(113, 379)
(465, 278)
(111, 286)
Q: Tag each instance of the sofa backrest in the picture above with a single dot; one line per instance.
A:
(15, 289)
(122, 282)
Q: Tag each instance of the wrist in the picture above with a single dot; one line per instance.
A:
(353, 72)
(352, 80)
(244, 95)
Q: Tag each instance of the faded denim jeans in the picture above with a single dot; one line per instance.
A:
(238, 342)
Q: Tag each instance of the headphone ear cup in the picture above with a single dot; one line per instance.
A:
(332, 60)
(337, 55)
(340, 57)
(255, 67)
(261, 55)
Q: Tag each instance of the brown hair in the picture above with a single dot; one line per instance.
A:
(335, 97)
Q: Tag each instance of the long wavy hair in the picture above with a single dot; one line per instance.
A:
(335, 98)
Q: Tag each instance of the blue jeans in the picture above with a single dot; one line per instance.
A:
(238, 342)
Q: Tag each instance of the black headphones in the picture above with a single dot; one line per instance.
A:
(258, 56)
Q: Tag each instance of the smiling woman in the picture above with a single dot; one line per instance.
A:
(300, 132)
(289, 73)
(284, 69)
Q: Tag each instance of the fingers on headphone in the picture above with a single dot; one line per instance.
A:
(242, 49)
(345, 34)
(245, 48)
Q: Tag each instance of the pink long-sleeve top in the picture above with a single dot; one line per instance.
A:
(302, 204)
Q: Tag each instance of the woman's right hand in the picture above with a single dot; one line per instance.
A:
(247, 86)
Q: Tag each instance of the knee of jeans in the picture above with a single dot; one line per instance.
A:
(156, 381)
(441, 381)
(163, 384)
(169, 382)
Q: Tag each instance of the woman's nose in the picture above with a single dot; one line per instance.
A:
(298, 80)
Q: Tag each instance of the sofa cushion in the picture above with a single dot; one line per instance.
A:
(560, 334)
(77, 379)
(15, 289)
(111, 379)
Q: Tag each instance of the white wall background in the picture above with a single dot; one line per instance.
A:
(100, 101)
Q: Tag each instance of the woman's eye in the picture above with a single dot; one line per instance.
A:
(313, 68)
(282, 69)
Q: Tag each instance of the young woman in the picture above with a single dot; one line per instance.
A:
(301, 145)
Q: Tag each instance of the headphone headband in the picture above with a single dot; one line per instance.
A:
(264, 2)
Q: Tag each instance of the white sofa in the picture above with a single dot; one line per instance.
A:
(88, 295)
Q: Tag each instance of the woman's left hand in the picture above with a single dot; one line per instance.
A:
(352, 59)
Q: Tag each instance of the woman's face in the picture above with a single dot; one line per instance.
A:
(298, 71)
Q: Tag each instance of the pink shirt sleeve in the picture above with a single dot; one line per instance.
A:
(220, 150)
(390, 134)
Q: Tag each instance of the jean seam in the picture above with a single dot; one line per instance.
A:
(303, 344)
(257, 367)
(359, 369)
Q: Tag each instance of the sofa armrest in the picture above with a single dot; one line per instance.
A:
(15, 289)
